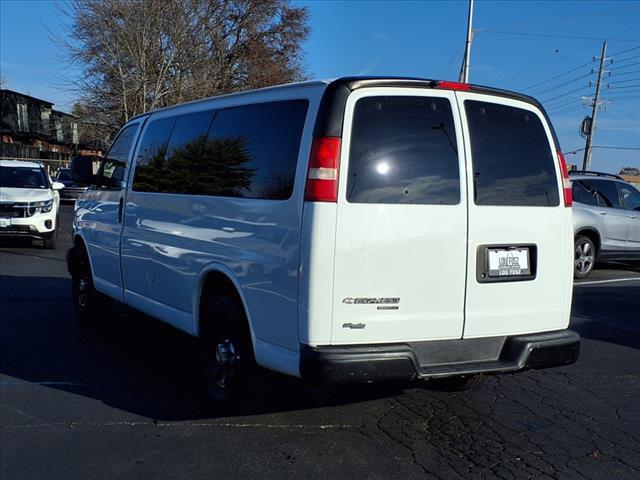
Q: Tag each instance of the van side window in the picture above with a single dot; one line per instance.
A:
(114, 165)
(150, 162)
(253, 150)
(171, 166)
(249, 151)
(512, 159)
(403, 150)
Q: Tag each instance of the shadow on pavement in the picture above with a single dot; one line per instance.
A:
(133, 363)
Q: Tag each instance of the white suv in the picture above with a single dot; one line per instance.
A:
(29, 202)
(357, 230)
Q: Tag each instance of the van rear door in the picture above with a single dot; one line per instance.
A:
(400, 254)
(520, 240)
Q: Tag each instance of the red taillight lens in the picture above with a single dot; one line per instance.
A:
(566, 183)
(462, 87)
(324, 166)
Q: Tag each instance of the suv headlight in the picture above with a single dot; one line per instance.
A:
(43, 207)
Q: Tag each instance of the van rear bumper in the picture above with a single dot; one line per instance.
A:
(442, 358)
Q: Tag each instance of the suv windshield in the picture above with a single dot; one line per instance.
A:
(64, 175)
(22, 177)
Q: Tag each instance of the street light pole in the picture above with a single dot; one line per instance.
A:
(464, 71)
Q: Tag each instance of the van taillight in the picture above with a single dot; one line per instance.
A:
(324, 166)
(566, 183)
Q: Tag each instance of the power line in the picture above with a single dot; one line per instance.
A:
(568, 82)
(623, 81)
(601, 146)
(565, 93)
(625, 66)
(624, 60)
(625, 51)
(528, 34)
(614, 74)
(558, 76)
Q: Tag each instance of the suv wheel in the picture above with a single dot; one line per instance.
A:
(229, 367)
(584, 257)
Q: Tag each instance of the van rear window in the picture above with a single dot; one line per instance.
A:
(512, 159)
(403, 150)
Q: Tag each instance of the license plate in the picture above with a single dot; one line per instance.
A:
(509, 262)
(5, 222)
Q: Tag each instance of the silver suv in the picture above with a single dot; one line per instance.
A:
(606, 220)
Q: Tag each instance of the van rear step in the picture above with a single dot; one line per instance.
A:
(439, 358)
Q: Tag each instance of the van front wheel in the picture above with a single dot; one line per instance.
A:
(227, 357)
(89, 305)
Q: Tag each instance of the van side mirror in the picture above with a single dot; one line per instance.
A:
(57, 185)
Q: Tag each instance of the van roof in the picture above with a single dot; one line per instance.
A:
(331, 114)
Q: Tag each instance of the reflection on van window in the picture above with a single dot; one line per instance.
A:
(512, 159)
(115, 163)
(269, 134)
(403, 150)
(249, 151)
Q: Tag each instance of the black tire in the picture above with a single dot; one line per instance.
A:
(584, 257)
(50, 243)
(457, 384)
(229, 368)
(89, 306)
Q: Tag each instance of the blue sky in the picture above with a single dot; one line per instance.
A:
(519, 45)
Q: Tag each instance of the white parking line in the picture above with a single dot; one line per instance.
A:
(613, 280)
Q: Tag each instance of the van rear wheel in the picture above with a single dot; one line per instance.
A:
(229, 367)
(457, 384)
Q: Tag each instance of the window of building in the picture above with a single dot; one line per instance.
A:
(45, 117)
(23, 118)
(59, 132)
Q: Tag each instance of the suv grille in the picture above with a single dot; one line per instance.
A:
(14, 210)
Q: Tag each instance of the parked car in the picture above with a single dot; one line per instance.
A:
(358, 230)
(606, 220)
(29, 202)
(72, 190)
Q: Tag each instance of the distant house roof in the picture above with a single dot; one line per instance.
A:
(631, 178)
(26, 96)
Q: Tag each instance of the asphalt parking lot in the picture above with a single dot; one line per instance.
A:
(121, 401)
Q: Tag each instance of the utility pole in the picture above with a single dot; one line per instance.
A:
(596, 102)
(464, 70)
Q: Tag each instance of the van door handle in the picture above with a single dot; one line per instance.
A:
(633, 216)
(602, 213)
(120, 209)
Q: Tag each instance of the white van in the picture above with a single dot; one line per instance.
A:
(355, 230)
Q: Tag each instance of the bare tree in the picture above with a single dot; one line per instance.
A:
(139, 55)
